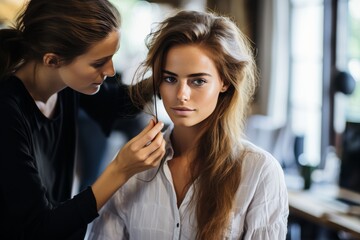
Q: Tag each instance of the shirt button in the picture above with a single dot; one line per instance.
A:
(177, 225)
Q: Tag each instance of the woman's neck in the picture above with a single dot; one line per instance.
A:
(40, 81)
(41, 84)
(184, 140)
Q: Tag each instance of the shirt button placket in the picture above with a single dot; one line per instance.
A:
(177, 231)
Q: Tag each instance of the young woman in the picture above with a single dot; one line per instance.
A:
(212, 184)
(58, 49)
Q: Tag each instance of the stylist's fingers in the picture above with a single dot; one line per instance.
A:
(146, 136)
(147, 148)
(155, 150)
(143, 151)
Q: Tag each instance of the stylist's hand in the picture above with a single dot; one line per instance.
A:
(143, 152)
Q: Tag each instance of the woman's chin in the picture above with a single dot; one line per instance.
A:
(93, 89)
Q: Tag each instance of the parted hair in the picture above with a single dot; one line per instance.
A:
(217, 163)
(67, 28)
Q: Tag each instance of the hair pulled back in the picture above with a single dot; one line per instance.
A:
(67, 28)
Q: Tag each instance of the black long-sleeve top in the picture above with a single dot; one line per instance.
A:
(37, 157)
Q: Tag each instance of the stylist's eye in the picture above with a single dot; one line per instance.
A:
(98, 64)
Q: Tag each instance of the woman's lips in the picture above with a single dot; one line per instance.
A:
(183, 111)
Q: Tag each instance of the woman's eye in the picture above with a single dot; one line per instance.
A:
(98, 65)
(169, 79)
(198, 82)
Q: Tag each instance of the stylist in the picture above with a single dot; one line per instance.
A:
(53, 62)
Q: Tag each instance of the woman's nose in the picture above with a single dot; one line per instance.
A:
(109, 70)
(183, 93)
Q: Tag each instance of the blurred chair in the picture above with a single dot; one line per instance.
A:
(273, 137)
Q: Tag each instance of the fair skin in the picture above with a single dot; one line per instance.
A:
(189, 90)
(85, 74)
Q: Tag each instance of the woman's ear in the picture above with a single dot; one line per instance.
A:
(224, 87)
(51, 60)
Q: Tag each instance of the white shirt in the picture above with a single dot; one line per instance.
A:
(145, 208)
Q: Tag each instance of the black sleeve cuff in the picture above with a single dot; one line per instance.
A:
(86, 205)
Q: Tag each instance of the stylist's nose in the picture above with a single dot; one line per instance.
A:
(108, 69)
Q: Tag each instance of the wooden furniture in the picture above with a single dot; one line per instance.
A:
(321, 205)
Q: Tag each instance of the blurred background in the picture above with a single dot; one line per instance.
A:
(306, 111)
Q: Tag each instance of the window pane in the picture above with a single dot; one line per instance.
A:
(353, 52)
(306, 74)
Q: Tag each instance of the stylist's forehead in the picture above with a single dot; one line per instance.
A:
(106, 47)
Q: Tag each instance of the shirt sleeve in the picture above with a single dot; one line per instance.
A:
(109, 225)
(111, 103)
(266, 218)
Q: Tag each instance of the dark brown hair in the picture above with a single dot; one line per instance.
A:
(67, 28)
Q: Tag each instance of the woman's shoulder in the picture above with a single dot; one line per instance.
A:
(13, 95)
(257, 158)
(9, 85)
(261, 171)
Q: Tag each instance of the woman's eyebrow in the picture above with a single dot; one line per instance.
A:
(103, 59)
(170, 73)
(190, 75)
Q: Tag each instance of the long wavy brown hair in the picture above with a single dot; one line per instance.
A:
(218, 173)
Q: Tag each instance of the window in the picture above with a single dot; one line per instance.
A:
(306, 74)
(347, 107)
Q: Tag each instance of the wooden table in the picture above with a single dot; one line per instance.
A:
(320, 205)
